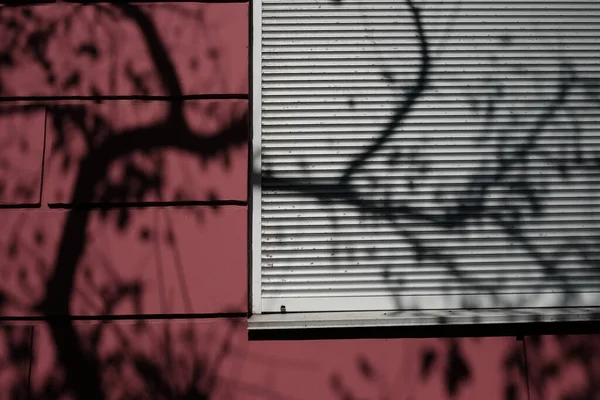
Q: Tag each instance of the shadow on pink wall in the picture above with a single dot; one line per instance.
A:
(123, 195)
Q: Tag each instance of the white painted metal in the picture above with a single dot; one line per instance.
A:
(255, 178)
(329, 77)
(417, 318)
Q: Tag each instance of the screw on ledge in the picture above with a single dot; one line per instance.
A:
(282, 309)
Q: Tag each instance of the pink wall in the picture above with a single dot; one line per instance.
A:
(87, 121)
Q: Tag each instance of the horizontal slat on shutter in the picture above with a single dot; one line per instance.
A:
(486, 194)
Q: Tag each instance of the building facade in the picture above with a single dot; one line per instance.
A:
(124, 255)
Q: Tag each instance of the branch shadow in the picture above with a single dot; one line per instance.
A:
(512, 194)
(465, 165)
(126, 149)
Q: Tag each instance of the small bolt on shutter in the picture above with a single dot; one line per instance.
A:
(426, 155)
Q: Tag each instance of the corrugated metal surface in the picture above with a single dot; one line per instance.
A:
(485, 191)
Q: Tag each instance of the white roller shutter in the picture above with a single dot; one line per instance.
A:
(484, 193)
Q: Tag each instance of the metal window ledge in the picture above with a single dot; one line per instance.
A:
(430, 323)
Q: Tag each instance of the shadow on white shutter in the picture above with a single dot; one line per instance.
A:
(485, 193)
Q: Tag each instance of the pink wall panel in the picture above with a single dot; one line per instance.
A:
(212, 358)
(21, 148)
(470, 368)
(67, 49)
(15, 360)
(175, 260)
(137, 151)
(564, 367)
(126, 261)
(28, 246)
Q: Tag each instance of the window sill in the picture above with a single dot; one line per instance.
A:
(433, 323)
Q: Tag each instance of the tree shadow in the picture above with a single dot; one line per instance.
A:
(536, 367)
(488, 164)
(118, 123)
(534, 147)
(45, 284)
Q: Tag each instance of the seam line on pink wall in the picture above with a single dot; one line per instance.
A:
(59, 318)
(148, 204)
(155, 1)
(20, 205)
(216, 96)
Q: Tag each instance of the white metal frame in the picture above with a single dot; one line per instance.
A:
(353, 313)
(255, 180)
(421, 319)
